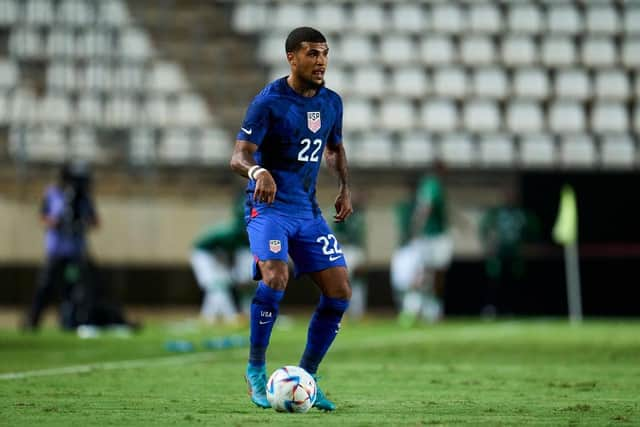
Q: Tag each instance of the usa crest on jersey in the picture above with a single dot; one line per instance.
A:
(275, 246)
(313, 121)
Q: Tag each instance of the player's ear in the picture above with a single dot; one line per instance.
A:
(291, 58)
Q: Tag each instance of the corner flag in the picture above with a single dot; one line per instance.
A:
(565, 233)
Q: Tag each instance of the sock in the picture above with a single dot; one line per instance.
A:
(264, 310)
(323, 329)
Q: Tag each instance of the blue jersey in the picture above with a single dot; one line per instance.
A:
(291, 132)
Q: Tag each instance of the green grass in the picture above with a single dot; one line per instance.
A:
(456, 373)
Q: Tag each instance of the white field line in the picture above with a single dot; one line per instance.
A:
(110, 366)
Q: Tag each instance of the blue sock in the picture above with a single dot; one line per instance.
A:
(323, 329)
(264, 310)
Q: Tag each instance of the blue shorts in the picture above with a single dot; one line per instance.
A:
(310, 242)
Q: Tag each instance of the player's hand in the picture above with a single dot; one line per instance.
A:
(343, 206)
(266, 188)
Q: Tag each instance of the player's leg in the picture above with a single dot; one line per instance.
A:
(268, 242)
(214, 278)
(50, 277)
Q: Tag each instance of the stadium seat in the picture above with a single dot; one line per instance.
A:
(336, 79)
(407, 18)
(566, 117)
(496, 150)
(113, 13)
(612, 84)
(531, 83)
(121, 111)
(609, 117)
(558, 51)
(598, 52)
(572, 84)
(271, 50)
(397, 50)
(134, 44)
(636, 118)
(83, 144)
(439, 115)
(631, 53)
(89, 109)
(26, 42)
(94, 43)
(409, 82)
(397, 115)
(191, 111)
(5, 106)
(142, 146)
(55, 108)
(457, 150)
(175, 146)
(518, 50)
(632, 20)
(250, 17)
(602, 19)
(61, 43)
(375, 149)
(39, 12)
(369, 82)
(415, 149)
(332, 15)
(618, 151)
(490, 83)
(48, 144)
(23, 107)
(76, 13)
(129, 77)
(524, 18)
(447, 18)
(156, 111)
(563, 18)
(368, 18)
(361, 115)
(450, 82)
(481, 116)
(477, 50)
(437, 50)
(214, 146)
(537, 151)
(357, 49)
(577, 151)
(166, 77)
(8, 74)
(287, 15)
(524, 117)
(484, 17)
(97, 76)
(8, 13)
(62, 75)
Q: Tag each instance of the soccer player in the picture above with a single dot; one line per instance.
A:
(287, 129)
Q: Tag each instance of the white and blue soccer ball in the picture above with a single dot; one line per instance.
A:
(291, 389)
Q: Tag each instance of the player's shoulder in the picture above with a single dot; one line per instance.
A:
(333, 96)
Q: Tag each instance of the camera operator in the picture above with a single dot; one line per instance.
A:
(68, 212)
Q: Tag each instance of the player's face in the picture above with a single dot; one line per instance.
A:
(309, 63)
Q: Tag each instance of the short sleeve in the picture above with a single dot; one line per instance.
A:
(256, 122)
(429, 191)
(335, 136)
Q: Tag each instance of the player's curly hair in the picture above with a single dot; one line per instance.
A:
(300, 35)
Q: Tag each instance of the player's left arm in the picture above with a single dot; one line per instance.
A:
(336, 160)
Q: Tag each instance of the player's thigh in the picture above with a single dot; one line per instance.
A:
(268, 241)
(333, 282)
(314, 247)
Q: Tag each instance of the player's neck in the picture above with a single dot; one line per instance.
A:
(301, 87)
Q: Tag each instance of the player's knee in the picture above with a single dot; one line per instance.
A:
(275, 276)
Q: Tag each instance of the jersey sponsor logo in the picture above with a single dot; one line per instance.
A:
(275, 246)
(313, 121)
(247, 131)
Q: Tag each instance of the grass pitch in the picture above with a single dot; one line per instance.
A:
(542, 372)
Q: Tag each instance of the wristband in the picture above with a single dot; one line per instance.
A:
(254, 171)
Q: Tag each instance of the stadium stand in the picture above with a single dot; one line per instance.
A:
(484, 83)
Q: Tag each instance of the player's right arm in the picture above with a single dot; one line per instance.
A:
(242, 162)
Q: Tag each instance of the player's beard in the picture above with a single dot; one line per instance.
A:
(313, 84)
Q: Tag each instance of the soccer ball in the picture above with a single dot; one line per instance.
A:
(291, 389)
